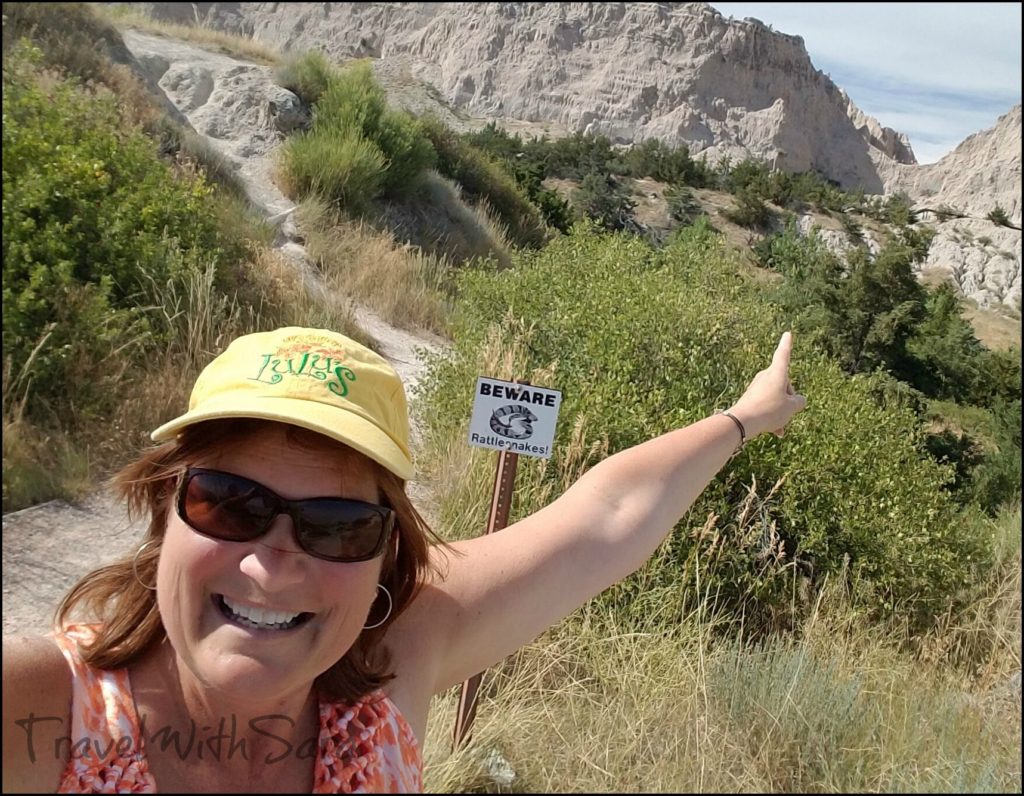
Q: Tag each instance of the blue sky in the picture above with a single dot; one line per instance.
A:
(934, 71)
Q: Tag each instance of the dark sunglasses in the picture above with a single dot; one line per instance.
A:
(235, 509)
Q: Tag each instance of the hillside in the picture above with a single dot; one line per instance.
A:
(678, 72)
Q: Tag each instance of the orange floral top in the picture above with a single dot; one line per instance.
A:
(367, 747)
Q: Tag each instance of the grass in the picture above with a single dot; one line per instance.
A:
(607, 703)
(46, 463)
(838, 707)
(228, 43)
(400, 282)
(40, 465)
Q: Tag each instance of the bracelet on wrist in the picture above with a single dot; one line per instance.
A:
(739, 425)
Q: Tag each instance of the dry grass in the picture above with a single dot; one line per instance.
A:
(437, 219)
(203, 321)
(400, 282)
(40, 465)
(841, 707)
(198, 321)
(995, 329)
(227, 43)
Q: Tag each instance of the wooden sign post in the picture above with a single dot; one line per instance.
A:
(512, 418)
(501, 502)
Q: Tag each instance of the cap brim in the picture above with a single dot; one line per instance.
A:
(331, 421)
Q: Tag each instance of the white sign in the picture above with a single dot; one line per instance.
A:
(514, 417)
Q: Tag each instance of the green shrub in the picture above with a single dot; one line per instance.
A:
(604, 200)
(345, 169)
(749, 210)
(642, 341)
(683, 207)
(357, 149)
(749, 174)
(575, 156)
(92, 220)
(484, 178)
(663, 162)
(999, 217)
(898, 210)
(307, 76)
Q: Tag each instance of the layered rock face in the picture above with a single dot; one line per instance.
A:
(680, 72)
(984, 172)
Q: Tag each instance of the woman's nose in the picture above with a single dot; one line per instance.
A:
(275, 560)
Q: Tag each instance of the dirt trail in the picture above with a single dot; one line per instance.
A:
(237, 108)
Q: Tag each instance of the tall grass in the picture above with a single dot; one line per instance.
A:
(840, 706)
(198, 320)
(662, 695)
(307, 76)
(401, 283)
(247, 47)
(437, 218)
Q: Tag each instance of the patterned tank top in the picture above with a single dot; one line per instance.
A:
(366, 747)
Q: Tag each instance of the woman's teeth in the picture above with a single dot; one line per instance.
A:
(260, 618)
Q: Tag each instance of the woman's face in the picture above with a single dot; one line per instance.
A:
(202, 583)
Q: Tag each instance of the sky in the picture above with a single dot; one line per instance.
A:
(937, 72)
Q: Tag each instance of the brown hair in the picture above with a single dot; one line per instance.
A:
(131, 623)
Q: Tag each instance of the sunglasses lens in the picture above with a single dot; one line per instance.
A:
(226, 506)
(235, 509)
(342, 530)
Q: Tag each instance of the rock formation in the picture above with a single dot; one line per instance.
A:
(680, 72)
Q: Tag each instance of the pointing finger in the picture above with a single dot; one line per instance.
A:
(782, 353)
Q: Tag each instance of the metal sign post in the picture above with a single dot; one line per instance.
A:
(512, 418)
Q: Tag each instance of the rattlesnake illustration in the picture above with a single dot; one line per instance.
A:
(514, 421)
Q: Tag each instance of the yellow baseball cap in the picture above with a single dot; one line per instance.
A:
(313, 378)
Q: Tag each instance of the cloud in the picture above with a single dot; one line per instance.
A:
(937, 72)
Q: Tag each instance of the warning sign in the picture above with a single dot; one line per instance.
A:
(518, 418)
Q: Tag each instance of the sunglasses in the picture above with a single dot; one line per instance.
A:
(235, 509)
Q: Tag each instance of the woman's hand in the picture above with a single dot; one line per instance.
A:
(769, 402)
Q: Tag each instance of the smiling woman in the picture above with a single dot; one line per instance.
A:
(289, 616)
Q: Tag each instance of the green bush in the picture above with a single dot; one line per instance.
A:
(604, 200)
(92, 221)
(749, 210)
(482, 177)
(307, 76)
(652, 158)
(346, 168)
(898, 210)
(357, 148)
(575, 156)
(683, 207)
(749, 174)
(999, 217)
(642, 341)
(873, 313)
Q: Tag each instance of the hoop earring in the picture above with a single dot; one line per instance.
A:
(135, 564)
(391, 604)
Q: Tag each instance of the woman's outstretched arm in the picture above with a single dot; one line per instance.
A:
(508, 587)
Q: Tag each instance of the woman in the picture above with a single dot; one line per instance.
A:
(286, 621)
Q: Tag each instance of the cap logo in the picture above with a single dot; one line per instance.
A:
(319, 364)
